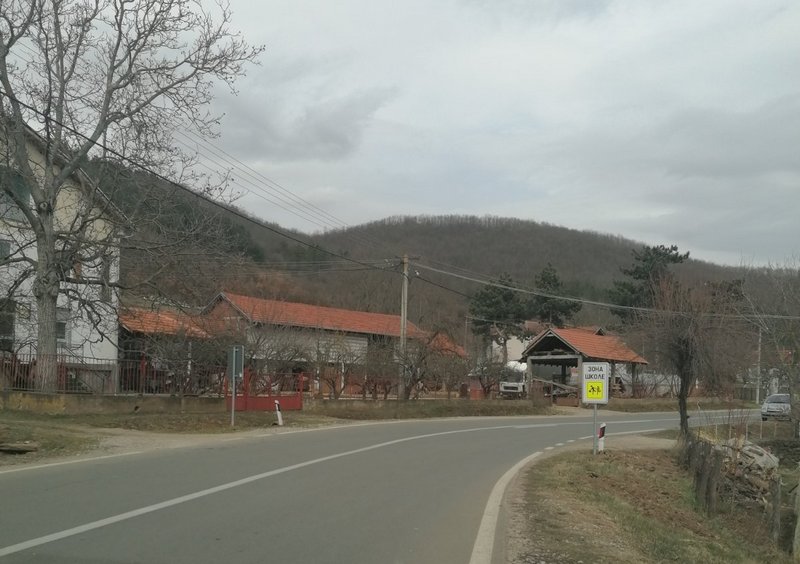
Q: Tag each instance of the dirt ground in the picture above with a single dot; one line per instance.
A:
(93, 442)
(631, 504)
(521, 546)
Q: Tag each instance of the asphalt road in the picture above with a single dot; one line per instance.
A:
(401, 492)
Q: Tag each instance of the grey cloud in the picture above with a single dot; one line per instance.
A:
(329, 129)
(299, 110)
(711, 143)
(544, 10)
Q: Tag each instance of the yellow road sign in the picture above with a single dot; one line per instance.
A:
(595, 382)
(594, 390)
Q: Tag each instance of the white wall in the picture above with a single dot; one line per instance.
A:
(86, 338)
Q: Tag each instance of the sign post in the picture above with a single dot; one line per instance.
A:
(595, 390)
(235, 370)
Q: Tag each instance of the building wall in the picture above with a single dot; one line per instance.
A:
(275, 343)
(84, 337)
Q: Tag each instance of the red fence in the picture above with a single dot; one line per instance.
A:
(151, 376)
(141, 375)
(260, 392)
(72, 374)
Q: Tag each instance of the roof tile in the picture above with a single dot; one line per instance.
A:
(258, 310)
(593, 345)
(149, 322)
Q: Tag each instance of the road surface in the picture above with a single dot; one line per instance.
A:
(400, 492)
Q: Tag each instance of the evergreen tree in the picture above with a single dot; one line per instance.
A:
(498, 312)
(650, 268)
(544, 306)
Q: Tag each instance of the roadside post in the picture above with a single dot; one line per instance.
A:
(278, 413)
(601, 438)
(595, 392)
(235, 370)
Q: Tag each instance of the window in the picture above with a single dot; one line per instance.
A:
(7, 317)
(62, 327)
(12, 181)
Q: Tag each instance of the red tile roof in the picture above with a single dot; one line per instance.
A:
(442, 343)
(591, 343)
(274, 312)
(149, 322)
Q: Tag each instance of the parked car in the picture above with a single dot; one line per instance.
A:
(776, 406)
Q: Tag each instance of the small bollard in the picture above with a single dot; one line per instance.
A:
(601, 438)
(278, 413)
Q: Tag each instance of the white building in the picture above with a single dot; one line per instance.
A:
(86, 318)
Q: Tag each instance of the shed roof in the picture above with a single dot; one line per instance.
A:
(592, 344)
(150, 322)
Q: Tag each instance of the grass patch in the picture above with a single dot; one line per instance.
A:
(52, 440)
(636, 405)
(160, 422)
(632, 506)
(425, 409)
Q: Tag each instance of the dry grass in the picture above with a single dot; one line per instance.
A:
(633, 506)
(671, 404)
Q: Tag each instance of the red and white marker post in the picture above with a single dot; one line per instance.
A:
(601, 438)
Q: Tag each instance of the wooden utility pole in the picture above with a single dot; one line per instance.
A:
(758, 369)
(401, 387)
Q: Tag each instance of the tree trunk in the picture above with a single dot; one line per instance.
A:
(683, 395)
(45, 289)
(794, 389)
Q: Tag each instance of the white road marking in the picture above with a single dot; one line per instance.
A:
(484, 542)
(549, 448)
(65, 462)
(38, 541)
(559, 444)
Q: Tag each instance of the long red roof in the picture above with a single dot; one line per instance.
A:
(291, 314)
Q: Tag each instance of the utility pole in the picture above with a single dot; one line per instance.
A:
(401, 387)
(758, 369)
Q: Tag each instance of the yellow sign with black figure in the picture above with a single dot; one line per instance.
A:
(594, 390)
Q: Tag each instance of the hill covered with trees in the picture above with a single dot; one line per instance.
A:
(451, 257)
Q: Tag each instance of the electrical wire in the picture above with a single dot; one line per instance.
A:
(191, 192)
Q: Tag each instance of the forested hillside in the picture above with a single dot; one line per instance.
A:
(359, 267)
(481, 248)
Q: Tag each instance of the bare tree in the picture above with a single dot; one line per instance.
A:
(78, 78)
(697, 334)
(489, 372)
(337, 361)
(380, 370)
(778, 318)
(449, 371)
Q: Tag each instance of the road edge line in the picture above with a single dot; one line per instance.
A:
(483, 548)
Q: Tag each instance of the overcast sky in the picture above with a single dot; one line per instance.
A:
(664, 122)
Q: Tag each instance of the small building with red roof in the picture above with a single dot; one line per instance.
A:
(569, 347)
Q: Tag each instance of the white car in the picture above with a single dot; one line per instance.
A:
(776, 406)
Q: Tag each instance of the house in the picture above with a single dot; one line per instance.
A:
(560, 350)
(340, 350)
(88, 266)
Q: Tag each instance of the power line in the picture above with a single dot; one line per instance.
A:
(184, 188)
